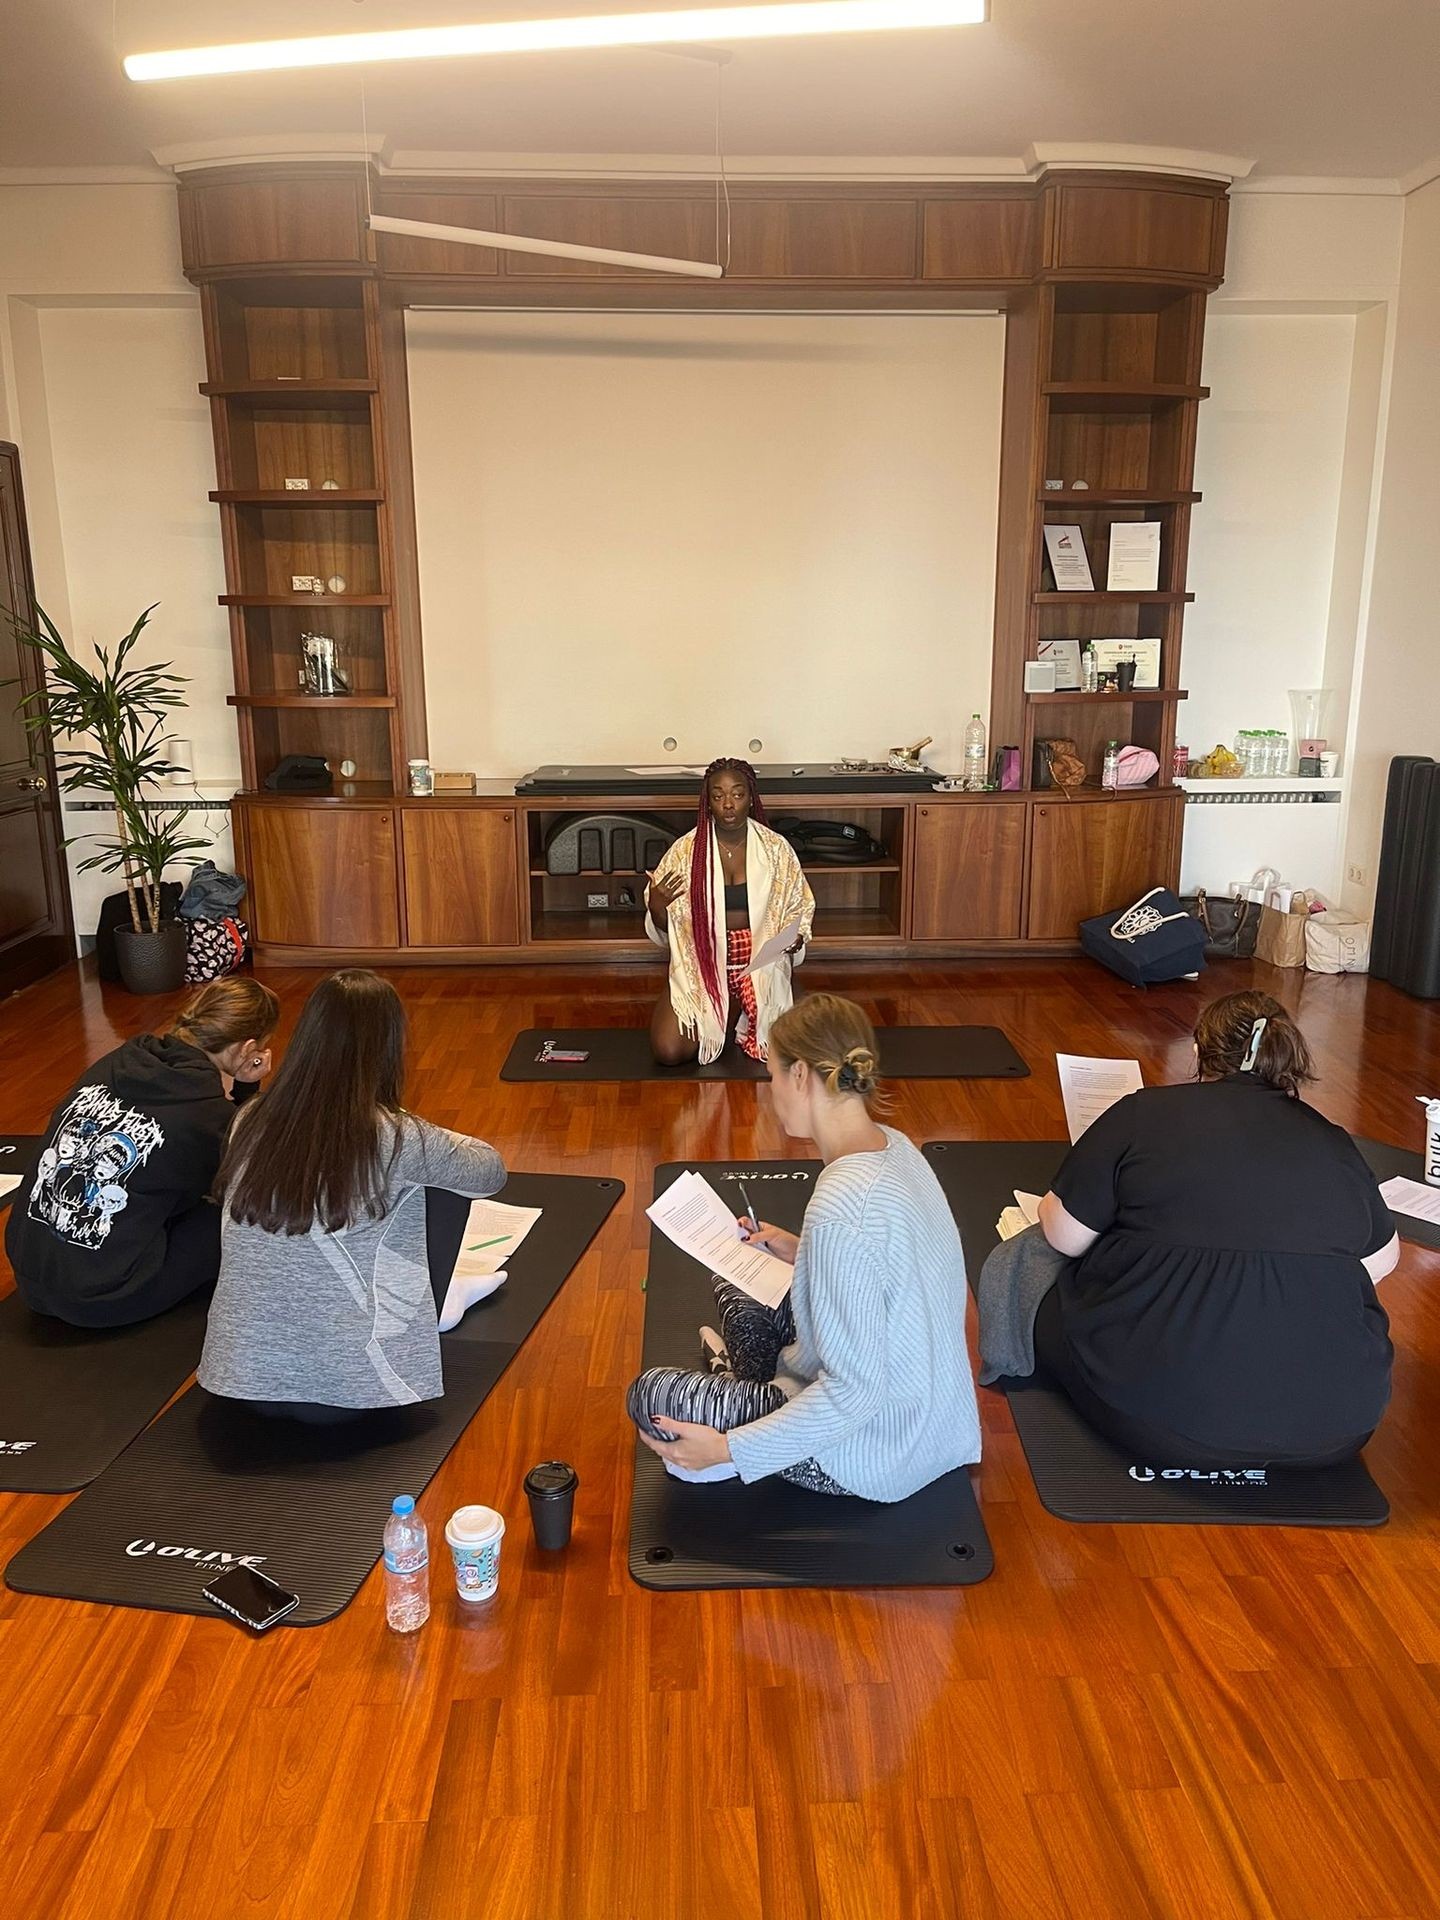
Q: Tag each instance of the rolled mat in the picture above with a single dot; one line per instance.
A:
(1078, 1474)
(686, 1536)
(212, 1481)
(623, 1053)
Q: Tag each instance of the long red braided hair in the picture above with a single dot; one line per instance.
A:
(701, 905)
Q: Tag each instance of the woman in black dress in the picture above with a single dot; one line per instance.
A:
(1223, 1242)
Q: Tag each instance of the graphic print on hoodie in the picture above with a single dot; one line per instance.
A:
(82, 1179)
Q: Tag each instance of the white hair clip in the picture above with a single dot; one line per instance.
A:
(1247, 1064)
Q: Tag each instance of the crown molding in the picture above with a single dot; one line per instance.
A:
(1420, 176)
(1363, 185)
(400, 163)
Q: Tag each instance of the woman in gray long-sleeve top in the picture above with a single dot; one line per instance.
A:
(330, 1299)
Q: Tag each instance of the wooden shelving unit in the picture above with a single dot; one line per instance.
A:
(296, 383)
(1113, 400)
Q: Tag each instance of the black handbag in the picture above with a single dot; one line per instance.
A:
(1231, 925)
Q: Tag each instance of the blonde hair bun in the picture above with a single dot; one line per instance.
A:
(835, 1040)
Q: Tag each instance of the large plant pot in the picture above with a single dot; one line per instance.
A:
(152, 962)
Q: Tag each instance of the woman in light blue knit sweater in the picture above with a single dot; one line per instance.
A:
(860, 1382)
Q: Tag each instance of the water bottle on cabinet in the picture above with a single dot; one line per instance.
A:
(1110, 774)
(975, 755)
(407, 1567)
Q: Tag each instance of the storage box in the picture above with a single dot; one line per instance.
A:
(454, 783)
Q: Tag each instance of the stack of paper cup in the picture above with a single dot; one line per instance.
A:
(474, 1535)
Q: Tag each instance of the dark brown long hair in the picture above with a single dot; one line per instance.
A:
(312, 1147)
(701, 906)
(1226, 1028)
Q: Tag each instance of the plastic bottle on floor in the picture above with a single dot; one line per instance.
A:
(975, 755)
(407, 1567)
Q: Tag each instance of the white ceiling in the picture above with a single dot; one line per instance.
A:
(1311, 88)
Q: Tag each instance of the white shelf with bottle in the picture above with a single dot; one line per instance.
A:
(1276, 783)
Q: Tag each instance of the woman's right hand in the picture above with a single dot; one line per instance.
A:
(661, 895)
(774, 1240)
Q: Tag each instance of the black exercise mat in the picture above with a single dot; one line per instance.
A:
(18, 1152)
(623, 1053)
(212, 1478)
(1078, 1474)
(685, 1535)
(1385, 1162)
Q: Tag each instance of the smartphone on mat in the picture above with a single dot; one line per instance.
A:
(251, 1597)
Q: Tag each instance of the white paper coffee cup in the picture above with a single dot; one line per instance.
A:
(474, 1536)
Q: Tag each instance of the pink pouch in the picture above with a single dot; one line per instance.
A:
(1136, 766)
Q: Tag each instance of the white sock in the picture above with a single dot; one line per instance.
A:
(722, 1470)
(463, 1293)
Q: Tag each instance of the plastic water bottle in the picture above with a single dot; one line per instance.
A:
(407, 1566)
(975, 755)
(1110, 774)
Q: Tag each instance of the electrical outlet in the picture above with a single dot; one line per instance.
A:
(1356, 876)
(597, 899)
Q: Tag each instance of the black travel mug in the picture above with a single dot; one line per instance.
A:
(550, 1489)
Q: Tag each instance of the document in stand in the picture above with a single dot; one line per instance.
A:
(775, 948)
(492, 1233)
(693, 1215)
(1412, 1198)
(1090, 1087)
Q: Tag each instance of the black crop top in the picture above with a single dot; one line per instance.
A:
(737, 898)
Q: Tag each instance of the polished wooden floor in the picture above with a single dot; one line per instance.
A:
(1122, 1722)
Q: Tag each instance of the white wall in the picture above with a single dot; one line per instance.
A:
(707, 526)
(100, 354)
(1398, 709)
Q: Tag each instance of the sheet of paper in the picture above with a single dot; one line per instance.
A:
(1134, 556)
(1069, 563)
(9, 1182)
(1029, 1205)
(775, 947)
(693, 1215)
(1011, 1222)
(492, 1233)
(1411, 1197)
(663, 773)
(1088, 1087)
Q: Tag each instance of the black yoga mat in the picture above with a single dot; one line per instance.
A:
(212, 1479)
(685, 1536)
(1079, 1474)
(623, 1053)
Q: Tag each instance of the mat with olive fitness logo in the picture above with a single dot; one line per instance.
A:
(624, 1053)
(1078, 1474)
(71, 1398)
(212, 1482)
(772, 1534)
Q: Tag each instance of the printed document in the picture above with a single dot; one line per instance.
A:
(492, 1233)
(1088, 1087)
(693, 1215)
(775, 947)
(1411, 1197)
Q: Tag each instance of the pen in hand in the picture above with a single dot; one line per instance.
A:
(749, 1207)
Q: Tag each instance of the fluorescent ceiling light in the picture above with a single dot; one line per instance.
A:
(691, 26)
(559, 249)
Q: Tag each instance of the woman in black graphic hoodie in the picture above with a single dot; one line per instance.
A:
(115, 1224)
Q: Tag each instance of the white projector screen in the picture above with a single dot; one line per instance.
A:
(712, 527)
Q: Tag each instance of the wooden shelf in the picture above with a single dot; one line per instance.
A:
(854, 923)
(634, 873)
(621, 924)
(1079, 396)
(311, 700)
(288, 497)
(1152, 694)
(304, 599)
(299, 393)
(1105, 497)
(1099, 599)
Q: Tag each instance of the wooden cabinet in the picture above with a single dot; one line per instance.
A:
(461, 880)
(969, 871)
(323, 876)
(1087, 856)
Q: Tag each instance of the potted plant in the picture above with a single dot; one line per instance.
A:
(108, 722)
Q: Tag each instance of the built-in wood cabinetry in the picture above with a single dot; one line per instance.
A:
(1103, 278)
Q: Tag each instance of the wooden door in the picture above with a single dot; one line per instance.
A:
(35, 925)
(969, 871)
(461, 883)
(323, 876)
(1087, 856)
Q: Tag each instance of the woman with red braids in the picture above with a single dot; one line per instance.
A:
(718, 895)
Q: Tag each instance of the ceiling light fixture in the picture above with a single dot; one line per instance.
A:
(559, 249)
(690, 26)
